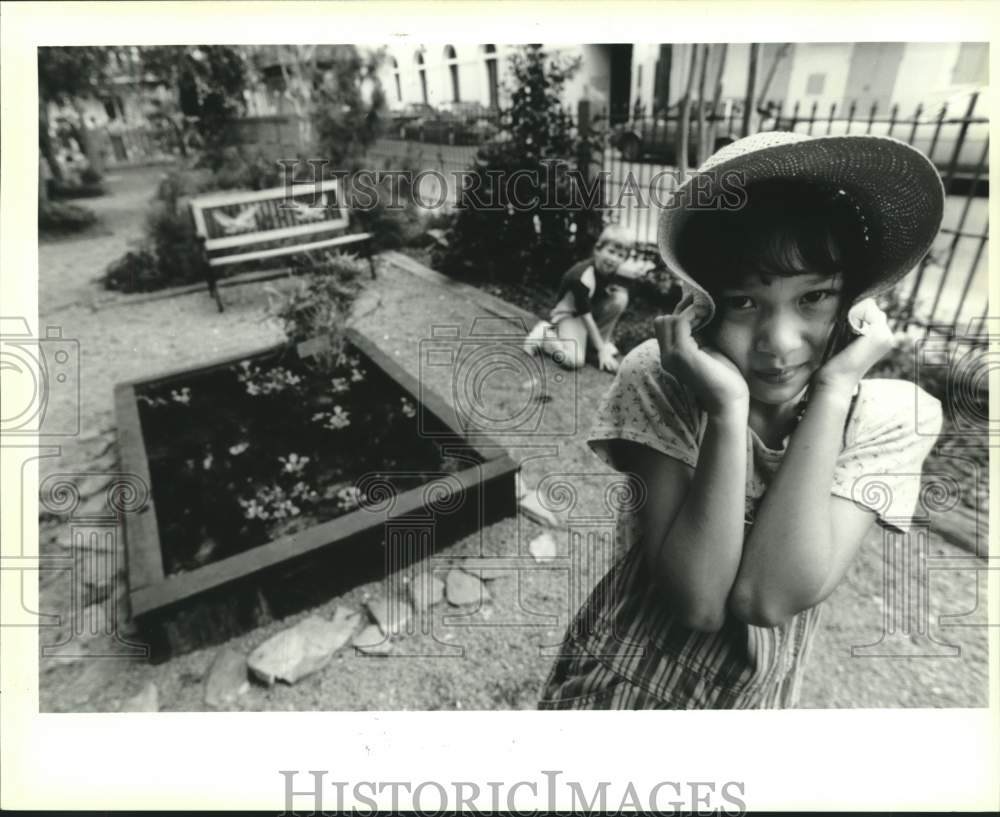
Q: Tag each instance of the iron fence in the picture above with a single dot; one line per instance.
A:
(637, 160)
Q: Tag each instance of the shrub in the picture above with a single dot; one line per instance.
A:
(134, 272)
(170, 253)
(319, 303)
(89, 184)
(538, 140)
(58, 218)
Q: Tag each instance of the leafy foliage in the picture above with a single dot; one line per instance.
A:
(170, 253)
(55, 217)
(65, 73)
(319, 304)
(210, 80)
(515, 235)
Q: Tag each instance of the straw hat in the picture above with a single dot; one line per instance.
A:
(895, 189)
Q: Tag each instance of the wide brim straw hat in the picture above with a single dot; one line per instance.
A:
(895, 189)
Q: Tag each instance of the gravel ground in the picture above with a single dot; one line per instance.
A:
(491, 657)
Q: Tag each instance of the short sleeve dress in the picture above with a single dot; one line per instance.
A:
(625, 649)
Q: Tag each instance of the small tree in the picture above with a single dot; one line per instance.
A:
(210, 81)
(523, 229)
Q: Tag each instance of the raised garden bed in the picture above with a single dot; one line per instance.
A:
(274, 478)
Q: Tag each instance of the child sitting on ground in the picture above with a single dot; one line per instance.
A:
(588, 307)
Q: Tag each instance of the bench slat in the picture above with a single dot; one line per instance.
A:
(224, 198)
(350, 238)
(259, 236)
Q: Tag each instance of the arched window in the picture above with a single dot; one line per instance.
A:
(395, 77)
(492, 77)
(451, 59)
(422, 73)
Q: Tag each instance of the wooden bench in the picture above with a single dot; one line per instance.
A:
(307, 219)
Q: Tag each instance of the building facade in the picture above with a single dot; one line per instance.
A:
(440, 75)
(623, 78)
(883, 74)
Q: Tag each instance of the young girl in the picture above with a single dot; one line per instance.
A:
(759, 455)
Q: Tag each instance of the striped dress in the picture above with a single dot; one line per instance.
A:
(625, 649)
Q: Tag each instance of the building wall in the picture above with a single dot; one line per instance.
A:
(470, 60)
(592, 81)
(816, 72)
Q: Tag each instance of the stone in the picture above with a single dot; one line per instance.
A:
(464, 588)
(93, 484)
(534, 510)
(423, 596)
(371, 640)
(227, 679)
(390, 613)
(303, 649)
(148, 700)
(519, 490)
(543, 548)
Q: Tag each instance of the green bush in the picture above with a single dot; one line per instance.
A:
(530, 242)
(134, 272)
(60, 189)
(58, 218)
(319, 303)
(170, 253)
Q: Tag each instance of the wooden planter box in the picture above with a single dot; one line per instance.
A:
(223, 598)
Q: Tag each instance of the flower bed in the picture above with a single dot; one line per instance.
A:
(272, 479)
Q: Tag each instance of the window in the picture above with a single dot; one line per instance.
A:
(418, 58)
(973, 64)
(492, 80)
(395, 76)
(451, 58)
(815, 83)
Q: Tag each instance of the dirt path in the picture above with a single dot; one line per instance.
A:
(493, 657)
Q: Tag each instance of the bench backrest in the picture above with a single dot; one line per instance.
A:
(227, 220)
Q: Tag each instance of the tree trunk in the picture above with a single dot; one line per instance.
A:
(748, 104)
(685, 119)
(713, 130)
(87, 143)
(45, 140)
(700, 152)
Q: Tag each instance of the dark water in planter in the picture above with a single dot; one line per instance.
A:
(243, 454)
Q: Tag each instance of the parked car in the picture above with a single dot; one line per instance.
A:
(938, 143)
(395, 120)
(463, 123)
(657, 135)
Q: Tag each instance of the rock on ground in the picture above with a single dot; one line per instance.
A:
(426, 590)
(534, 510)
(464, 588)
(372, 640)
(543, 548)
(227, 679)
(148, 700)
(303, 649)
(390, 612)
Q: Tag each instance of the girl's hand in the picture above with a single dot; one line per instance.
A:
(873, 342)
(716, 382)
(606, 358)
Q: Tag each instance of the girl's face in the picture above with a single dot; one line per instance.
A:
(776, 330)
